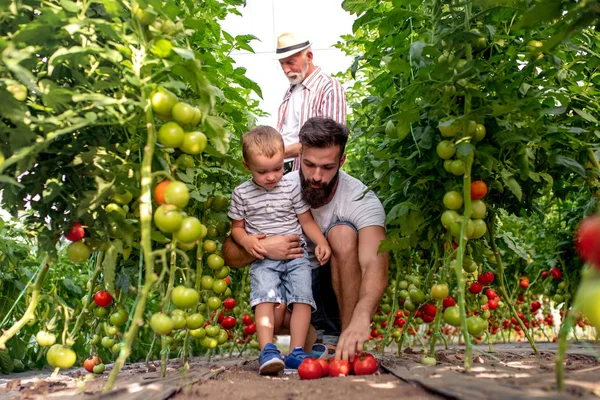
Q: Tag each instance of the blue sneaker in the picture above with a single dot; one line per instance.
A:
(295, 358)
(269, 360)
(319, 350)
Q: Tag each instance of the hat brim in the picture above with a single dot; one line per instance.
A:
(286, 54)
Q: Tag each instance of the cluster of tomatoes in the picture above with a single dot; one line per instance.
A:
(315, 368)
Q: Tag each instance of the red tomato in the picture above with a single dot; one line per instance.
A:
(250, 329)
(324, 366)
(365, 364)
(227, 280)
(229, 303)
(491, 294)
(430, 310)
(246, 319)
(339, 368)
(486, 278)
(428, 318)
(76, 233)
(228, 323)
(310, 369)
(587, 240)
(448, 302)
(478, 190)
(524, 282)
(492, 304)
(556, 274)
(535, 306)
(475, 288)
(544, 274)
(102, 298)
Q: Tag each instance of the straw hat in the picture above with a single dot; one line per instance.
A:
(288, 44)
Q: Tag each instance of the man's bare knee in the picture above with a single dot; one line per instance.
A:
(343, 240)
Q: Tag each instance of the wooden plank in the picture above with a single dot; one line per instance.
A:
(463, 386)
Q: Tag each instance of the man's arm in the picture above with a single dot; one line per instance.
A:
(292, 150)
(374, 268)
(278, 247)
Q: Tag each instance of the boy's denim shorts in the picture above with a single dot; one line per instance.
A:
(281, 281)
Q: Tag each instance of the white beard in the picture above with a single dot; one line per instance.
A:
(297, 78)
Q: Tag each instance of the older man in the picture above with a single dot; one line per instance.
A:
(312, 93)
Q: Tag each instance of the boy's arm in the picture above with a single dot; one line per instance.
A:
(238, 231)
(311, 229)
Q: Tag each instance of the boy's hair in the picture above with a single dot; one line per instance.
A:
(262, 140)
(322, 133)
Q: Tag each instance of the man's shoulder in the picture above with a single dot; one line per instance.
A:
(351, 183)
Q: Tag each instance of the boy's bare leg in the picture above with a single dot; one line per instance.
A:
(299, 324)
(265, 323)
(282, 327)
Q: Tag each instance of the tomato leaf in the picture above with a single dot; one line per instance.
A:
(109, 265)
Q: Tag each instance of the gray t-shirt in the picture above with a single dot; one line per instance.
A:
(272, 212)
(346, 206)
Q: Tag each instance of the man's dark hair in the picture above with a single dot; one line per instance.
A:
(322, 133)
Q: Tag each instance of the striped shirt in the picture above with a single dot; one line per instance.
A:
(272, 212)
(322, 96)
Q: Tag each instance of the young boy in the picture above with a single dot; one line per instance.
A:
(272, 204)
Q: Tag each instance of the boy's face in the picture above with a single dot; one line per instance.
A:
(266, 172)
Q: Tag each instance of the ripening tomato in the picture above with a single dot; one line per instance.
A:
(478, 190)
(339, 368)
(310, 369)
(365, 364)
(524, 282)
(587, 240)
(102, 298)
(91, 362)
(159, 191)
(76, 233)
(439, 291)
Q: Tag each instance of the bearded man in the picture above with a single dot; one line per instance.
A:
(312, 93)
(349, 289)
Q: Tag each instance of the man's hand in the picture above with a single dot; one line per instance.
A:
(252, 244)
(282, 247)
(352, 340)
(323, 252)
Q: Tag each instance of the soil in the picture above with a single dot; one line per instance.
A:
(511, 371)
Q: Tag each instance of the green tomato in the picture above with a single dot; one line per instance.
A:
(206, 282)
(212, 330)
(108, 342)
(98, 369)
(194, 143)
(480, 132)
(183, 113)
(170, 135)
(222, 337)
(219, 286)
(59, 356)
(77, 252)
(45, 339)
(177, 194)
(195, 321)
(450, 218)
(179, 321)
(123, 196)
(189, 231)
(185, 161)
(199, 333)
(168, 218)
(183, 297)
(163, 101)
(457, 167)
(445, 149)
(449, 127)
(115, 208)
(209, 342)
(440, 291)
(161, 324)
(101, 312)
(417, 296)
(215, 262)
(476, 325)
(453, 200)
(213, 303)
(222, 273)
(452, 316)
(478, 209)
(479, 229)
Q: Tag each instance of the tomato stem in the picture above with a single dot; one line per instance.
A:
(563, 346)
(500, 273)
(29, 313)
(89, 298)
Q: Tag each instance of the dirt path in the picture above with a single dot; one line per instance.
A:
(512, 371)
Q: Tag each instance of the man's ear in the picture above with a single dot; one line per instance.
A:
(342, 160)
(309, 56)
